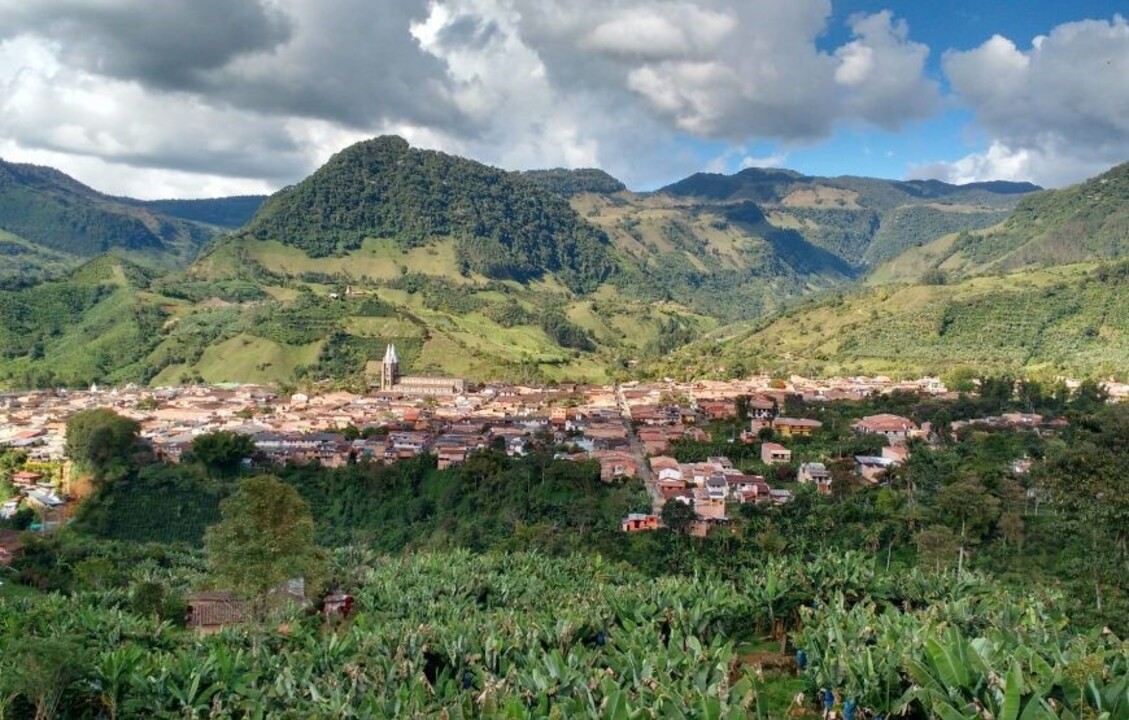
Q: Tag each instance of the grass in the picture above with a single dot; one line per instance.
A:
(245, 358)
(1054, 321)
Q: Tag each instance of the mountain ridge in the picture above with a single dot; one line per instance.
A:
(490, 274)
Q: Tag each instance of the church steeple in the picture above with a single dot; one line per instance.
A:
(389, 368)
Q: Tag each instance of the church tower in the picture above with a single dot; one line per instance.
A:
(389, 368)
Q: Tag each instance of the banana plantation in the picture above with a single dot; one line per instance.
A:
(523, 635)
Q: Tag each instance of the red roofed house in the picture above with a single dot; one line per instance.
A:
(639, 522)
(895, 428)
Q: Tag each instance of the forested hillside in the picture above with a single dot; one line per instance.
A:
(49, 222)
(504, 227)
(1072, 320)
(1081, 223)
(229, 213)
(862, 220)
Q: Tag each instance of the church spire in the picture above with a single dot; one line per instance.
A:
(389, 368)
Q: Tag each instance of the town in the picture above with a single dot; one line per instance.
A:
(628, 429)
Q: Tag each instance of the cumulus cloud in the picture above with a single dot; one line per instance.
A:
(164, 44)
(1056, 112)
(261, 89)
(884, 73)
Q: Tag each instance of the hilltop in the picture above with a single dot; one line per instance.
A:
(50, 222)
(483, 273)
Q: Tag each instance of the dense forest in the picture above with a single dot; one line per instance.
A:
(505, 226)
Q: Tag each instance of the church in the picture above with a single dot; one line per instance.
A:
(391, 381)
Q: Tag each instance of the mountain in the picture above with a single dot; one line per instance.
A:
(50, 222)
(469, 270)
(1042, 292)
(1070, 320)
(575, 182)
(862, 220)
(504, 226)
(1081, 223)
(228, 213)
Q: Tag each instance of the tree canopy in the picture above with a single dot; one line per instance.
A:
(102, 441)
(265, 537)
(221, 451)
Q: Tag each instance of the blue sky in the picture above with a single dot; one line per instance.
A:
(196, 98)
(942, 25)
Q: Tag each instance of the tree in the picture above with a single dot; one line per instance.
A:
(936, 544)
(967, 504)
(221, 451)
(265, 537)
(678, 516)
(102, 442)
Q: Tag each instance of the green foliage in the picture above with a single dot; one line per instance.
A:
(221, 452)
(1067, 323)
(227, 212)
(505, 227)
(1075, 224)
(265, 537)
(53, 211)
(574, 182)
(236, 291)
(102, 441)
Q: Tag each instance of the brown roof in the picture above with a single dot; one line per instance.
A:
(213, 609)
(797, 422)
(885, 422)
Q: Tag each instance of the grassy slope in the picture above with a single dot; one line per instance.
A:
(1051, 321)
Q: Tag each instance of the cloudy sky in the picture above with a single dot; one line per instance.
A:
(197, 98)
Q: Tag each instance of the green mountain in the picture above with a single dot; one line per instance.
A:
(1084, 222)
(228, 213)
(477, 272)
(50, 222)
(862, 220)
(504, 226)
(575, 182)
(1069, 320)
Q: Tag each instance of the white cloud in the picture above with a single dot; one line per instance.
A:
(131, 87)
(883, 73)
(1055, 113)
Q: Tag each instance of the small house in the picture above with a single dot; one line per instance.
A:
(795, 427)
(640, 522)
(815, 473)
(773, 453)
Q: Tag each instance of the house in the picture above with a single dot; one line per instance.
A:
(717, 488)
(210, 612)
(640, 522)
(894, 428)
(772, 453)
(795, 427)
(871, 467)
(896, 454)
(51, 509)
(761, 408)
(26, 478)
(815, 473)
(718, 409)
(615, 464)
(780, 497)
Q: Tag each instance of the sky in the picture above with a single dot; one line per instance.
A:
(202, 98)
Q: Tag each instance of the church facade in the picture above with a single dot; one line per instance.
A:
(392, 381)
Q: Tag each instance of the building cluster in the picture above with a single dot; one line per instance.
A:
(619, 427)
